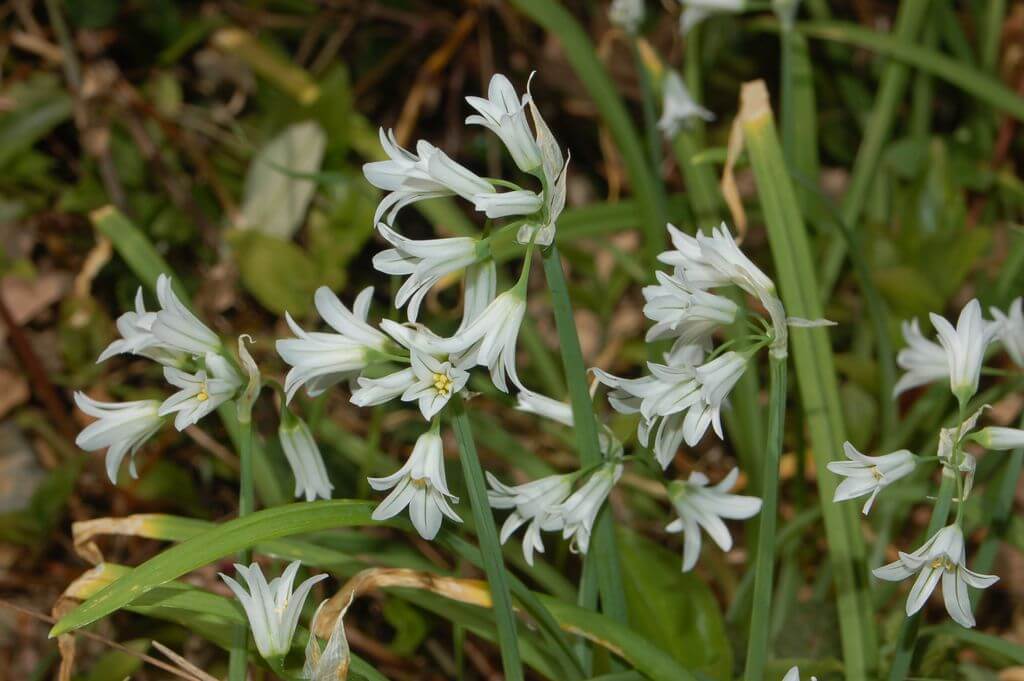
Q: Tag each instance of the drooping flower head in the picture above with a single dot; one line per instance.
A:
(177, 328)
(577, 514)
(532, 502)
(304, 458)
(121, 428)
(627, 15)
(136, 329)
(678, 107)
(504, 114)
(201, 392)
(1009, 330)
(869, 475)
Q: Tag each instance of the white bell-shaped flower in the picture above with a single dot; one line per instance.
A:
(176, 327)
(481, 283)
(794, 675)
(1000, 438)
(420, 485)
(702, 506)
(924, 361)
(505, 204)
(121, 428)
(490, 339)
(531, 503)
(678, 106)
(304, 458)
(869, 475)
(965, 348)
(1010, 330)
(136, 329)
(200, 393)
(683, 311)
(504, 114)
(576, 515)
(318, 359)
(272, 609)
(943, 557)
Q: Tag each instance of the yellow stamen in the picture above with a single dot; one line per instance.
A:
(202, 395)
(442, 384)
(419, 482)
(875, 473)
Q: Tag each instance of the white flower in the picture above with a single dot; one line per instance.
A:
(922, 359)
(532, 502)
(683, 311)
(318, 359)
(425, 262)
(965, 348)
(627, 15)
(419, 484)
(201, 392)
(794, 675)
(372, 391)
(869, 475)
(409, 177)
(304, 457)
(490, 339)
(701, 506)
(503, 204)
(435, 382)
(995, 437)
(576, 515)
(503, 113)
(272, 609)
(695, 11)
(121, 428)
(136, 329)
(943, 555)
(721, 253)
(678, 106)
(481, 282)
(555, 169)
(176, 327)
(1010, 330)
(542, 405)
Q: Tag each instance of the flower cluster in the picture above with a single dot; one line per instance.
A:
(957, 357)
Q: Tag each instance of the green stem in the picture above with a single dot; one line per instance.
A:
(760, 619)
(490, 547)
(239, 654)
(650, 118)
(603, 552)
(908, 630)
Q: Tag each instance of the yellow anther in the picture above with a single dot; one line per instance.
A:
(875, 473)
(202, 395)
(419, 482)
(442, 384)
(937, 563)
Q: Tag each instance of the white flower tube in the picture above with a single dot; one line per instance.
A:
(678, 106)
(701, 506)
(503, 113)
(176, 327)
(121, 428)
(304, 458)
(996, 437)
(965, 348)
(319, 360)
(421, 486)
(941, 557)
(136, 329)
(200, 393)
(683, 311)
(1010, 330)
(577, 514)
(272, 609)
(532, 503)
(424, 262)
(869, 475)
(490, 339)
(504, 204)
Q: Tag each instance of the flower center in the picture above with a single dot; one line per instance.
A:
(875, 473)
(419, 483)
(442, 384)
(203, 394)
(943, 562)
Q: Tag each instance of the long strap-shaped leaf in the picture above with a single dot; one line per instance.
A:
(815, 373)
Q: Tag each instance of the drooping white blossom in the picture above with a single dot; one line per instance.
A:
(136, 329)
(120, 427)
(490, 339)
(627, 15)
(434, 382)
(272, 609)
(505, 204)
(678, 107)
(923, 360)
(869, 475)
(532, 502)
(696, 11)
(576, 515)
(1010, 330)
(304, 458)
(554, 174)
(177, 328)
(503, 112)
(201, 392)
(1000, 438)
(794, 675)
(681, 310)
(424, 262)
(420, 485)
(481, 283)
(319, 359)
(943, 557)
(702, 506)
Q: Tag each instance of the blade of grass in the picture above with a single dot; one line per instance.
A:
(238, 657)
(580, 53)
(760, 618)
(991, 34)
(487, 535)
(815, 372)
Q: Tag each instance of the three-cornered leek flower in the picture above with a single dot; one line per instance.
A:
(1009, 330)
(794, 675)
(504, 204)
(997, 437)
(424, 262)
(504, 114)
(318, 359)
(678, 106)
(532, 502)
(942, 556)
(626, 15)
(490, 339)
(177, 328)
(272, 609)
(419, 484)
(696, 11)
(702, 506)
(923, 360)
(427, 174)
(304, 458)
(869, 475)
(577, 514)
(684, 311)
(201, 392)
(121, 428)
(136, 329)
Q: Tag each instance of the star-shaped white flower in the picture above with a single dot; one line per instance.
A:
(200, 393)
(869, 475)
(121, 428)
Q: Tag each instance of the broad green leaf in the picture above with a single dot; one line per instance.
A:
(278, 273)
(41, 103)
(275, 202)
(674, 610)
